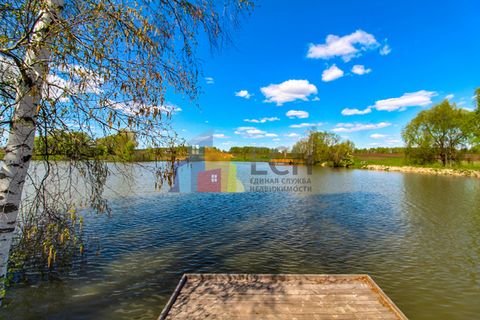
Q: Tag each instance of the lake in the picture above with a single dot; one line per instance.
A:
(418, 236)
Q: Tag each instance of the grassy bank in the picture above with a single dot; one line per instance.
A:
(398, 160)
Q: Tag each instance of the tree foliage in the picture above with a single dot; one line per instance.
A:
(477, 98)
(439, 133)
(121, 145)
(322, 146)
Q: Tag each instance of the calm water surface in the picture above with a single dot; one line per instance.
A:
(418, 236)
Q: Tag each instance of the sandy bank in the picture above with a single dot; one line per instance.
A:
(445, 172)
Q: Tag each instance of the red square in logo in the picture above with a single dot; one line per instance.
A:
(209, 181)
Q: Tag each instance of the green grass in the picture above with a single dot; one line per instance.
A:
(398, 160)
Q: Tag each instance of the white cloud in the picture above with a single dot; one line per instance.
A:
(133, 108)
(292, 135)
(220, 136)
(449, 96)
(393, 141)
(71, 79)
(276, 139)
(57, 88)
(347, 47)
(243, 94)
(169, 108)
(209, 80)
(262, 120)
(385, 50)
(297, 114)
(378, 136)
(351, 112)
(420, 98)
(253, 133)
(332, 73)
(353, 127)
(288, 91)
(360, 69)
(316, 99)
(306, 125)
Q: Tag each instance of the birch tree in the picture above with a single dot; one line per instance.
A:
(98, 67)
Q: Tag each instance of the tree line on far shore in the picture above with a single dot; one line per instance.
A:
(122, 146)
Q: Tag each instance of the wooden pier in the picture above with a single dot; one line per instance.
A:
(263, 296)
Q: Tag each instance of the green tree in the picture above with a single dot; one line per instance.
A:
(322, 146)
(438, 133)
(341, 154)
(477, 96)
(67, 145)
(475, 124)
(121, 145)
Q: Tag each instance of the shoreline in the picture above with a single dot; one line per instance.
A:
(421, 170)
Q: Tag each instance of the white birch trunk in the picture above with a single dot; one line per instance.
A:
(18, 151)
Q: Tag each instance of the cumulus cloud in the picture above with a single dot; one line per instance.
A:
(288, 91)
(378, 136)
(353, 127)
(306, 125)
(71, 79)
(243, 94)
(133, 108)
(449, 96)
(209, 80)
(360, 69)
(351, 112)
(346, 47)
(292, 135)
(332, 73)
(297, 114)
(57, 88)
(262, 120)
(420, 98)
(253, 133)
(220, 136)
(385, 50)
(393, 141)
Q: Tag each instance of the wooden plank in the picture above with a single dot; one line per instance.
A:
(253, 296)
(173, 298)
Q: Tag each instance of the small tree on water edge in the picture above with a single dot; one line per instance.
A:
(93, 67)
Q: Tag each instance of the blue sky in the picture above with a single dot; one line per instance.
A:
(382, 63)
